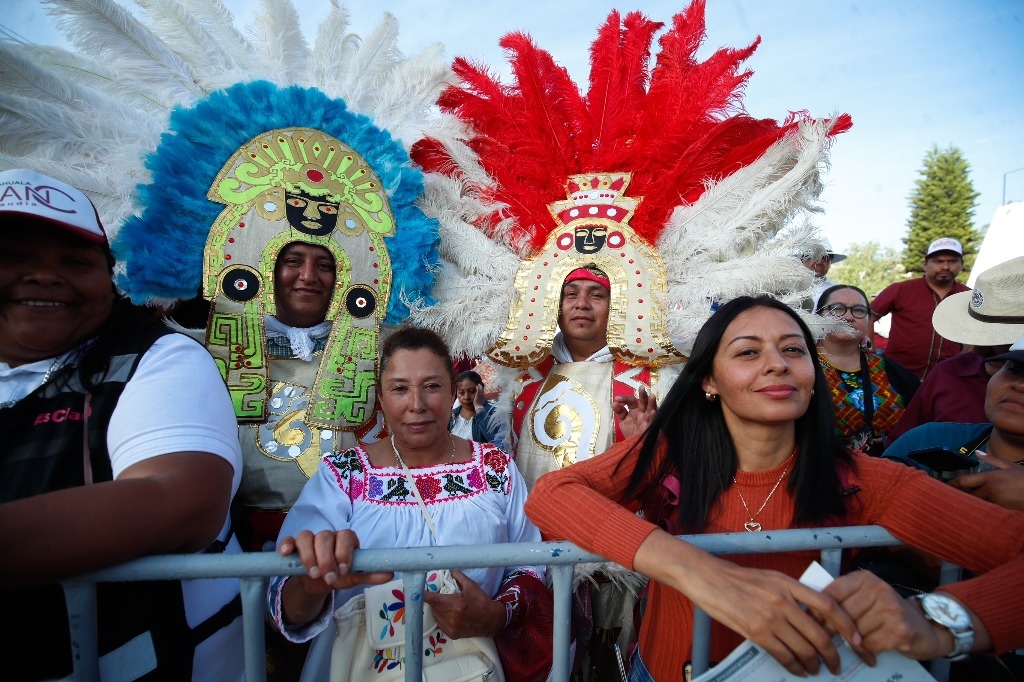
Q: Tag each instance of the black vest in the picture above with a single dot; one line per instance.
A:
(43, 452)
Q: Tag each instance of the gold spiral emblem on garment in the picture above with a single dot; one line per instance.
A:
(566, 420)
(286, 434)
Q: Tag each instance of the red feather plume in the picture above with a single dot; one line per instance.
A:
(675, 128)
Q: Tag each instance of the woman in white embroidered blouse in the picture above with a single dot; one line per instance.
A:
(361, 498)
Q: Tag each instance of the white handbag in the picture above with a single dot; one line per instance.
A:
(370, 644)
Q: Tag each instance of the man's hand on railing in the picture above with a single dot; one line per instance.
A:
(327, 557)
(472, 613)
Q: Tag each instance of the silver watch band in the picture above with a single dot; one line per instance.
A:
(950, 614)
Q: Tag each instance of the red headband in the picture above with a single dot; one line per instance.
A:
(585, 273)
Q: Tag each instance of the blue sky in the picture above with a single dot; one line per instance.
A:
(912, 73)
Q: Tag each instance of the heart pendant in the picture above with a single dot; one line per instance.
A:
(752, 526)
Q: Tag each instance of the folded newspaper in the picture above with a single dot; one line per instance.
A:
(750, 663)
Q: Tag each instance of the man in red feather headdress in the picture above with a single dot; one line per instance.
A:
(644, 200)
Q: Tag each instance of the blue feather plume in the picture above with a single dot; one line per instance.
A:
(163, 248)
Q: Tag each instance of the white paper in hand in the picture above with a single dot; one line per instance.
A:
(750, 663)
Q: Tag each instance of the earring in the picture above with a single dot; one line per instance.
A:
(709, 396)
(812, 392)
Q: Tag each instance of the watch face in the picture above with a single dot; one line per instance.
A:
(946, 611)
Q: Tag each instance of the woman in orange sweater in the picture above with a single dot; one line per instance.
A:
(745, 440)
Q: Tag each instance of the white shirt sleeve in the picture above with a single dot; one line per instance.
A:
(175, 402)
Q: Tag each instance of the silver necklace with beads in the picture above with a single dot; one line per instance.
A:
(54, 366)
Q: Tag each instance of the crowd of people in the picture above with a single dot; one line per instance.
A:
(769, 409)
(306, 401)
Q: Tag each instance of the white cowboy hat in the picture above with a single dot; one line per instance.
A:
(992, 314)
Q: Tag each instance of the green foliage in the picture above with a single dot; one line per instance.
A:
(869, 266)
(942, 205)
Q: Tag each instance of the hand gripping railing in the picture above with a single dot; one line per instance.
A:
(560, 557)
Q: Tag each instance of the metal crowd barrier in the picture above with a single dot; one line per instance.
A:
(560, 557)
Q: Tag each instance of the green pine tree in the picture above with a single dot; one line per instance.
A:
(942, 205)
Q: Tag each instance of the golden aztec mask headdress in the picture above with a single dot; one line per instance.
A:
(282, 187)
(656, 176)
(207, 152)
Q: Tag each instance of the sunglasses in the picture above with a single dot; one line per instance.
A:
(838, 310)
(1012, 367)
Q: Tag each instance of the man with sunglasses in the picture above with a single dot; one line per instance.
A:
(999, 443)
(999, 448)
(913, 342)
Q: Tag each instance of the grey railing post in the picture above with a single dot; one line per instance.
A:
(413, 583)
(832, 561)
(80, 598)
(561, 581)
(701, 653)
(254, 599)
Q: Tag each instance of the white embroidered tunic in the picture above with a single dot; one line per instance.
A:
(476, 502)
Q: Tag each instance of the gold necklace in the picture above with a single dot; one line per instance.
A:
(753, 526)
(401, 462)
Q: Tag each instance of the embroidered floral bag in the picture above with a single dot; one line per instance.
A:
(371, 640)
(371, 646)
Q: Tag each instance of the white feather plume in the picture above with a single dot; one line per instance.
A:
(277, 36)
(403, 100)
(110, 33)
(330, 48)
(88, 75)
(377, 52)
(219, 22)
(477, 276)
(207, 57)
(740, 237)
(754, 203)
(89, 116)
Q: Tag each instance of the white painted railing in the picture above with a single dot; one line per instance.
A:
(255, 569)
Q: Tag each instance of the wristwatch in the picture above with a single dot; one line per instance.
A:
(950, 614)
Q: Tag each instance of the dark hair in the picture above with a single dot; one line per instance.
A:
(415, 338)
(820, 303)
(701, 453)
(284, 248)
(471, 375)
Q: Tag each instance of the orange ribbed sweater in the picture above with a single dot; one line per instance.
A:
(581, 504)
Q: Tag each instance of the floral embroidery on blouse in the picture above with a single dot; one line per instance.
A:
(487, 471)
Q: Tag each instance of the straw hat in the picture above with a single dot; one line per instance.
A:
(992, 314)
(828, 252)
(836, 257)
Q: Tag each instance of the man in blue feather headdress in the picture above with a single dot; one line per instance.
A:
(297, 270)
